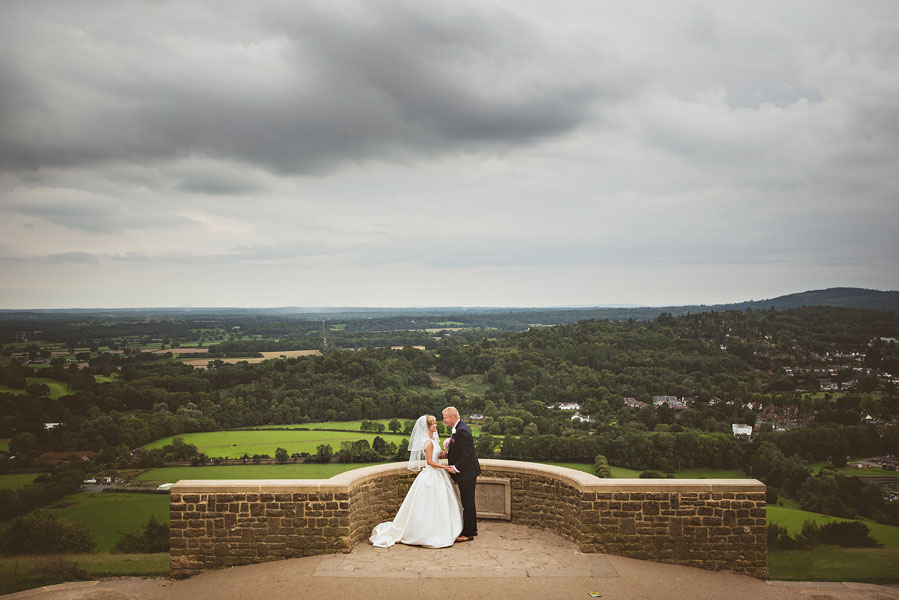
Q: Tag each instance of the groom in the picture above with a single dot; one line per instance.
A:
(464, 468)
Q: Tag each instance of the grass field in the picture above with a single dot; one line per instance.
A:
(288, 471)
(470, 385)
(855, 472)
(13, 481)
(792, 517)
(355, 425)
(342, 425)
(622, 473)
(265, 439)
(57, 388)
(26, 572)
(4, 444)
(832, 563)
(110, 514)
(234, 444)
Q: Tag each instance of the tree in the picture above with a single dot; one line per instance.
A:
(281, 456)
(38, 389)
(394, 425)
(379, 445)
(43, 532)
(601, 466)
(22, 443)
(151, 538)
(486, 445)
(323, 453)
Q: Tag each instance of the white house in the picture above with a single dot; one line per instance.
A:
(741, 429)
(569, 406)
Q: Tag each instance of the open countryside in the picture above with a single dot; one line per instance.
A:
(662, 397)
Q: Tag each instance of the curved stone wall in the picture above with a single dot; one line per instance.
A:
(707, 523)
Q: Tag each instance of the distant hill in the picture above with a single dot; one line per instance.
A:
(504, 318)
(843, 296)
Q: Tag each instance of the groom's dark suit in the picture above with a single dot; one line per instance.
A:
(462, 455)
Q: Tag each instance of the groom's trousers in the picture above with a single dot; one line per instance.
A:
(469, 511)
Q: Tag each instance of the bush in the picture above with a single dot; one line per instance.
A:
(655, 475)
(402, 451)
(779, 537)
(771, 494)
(152, 537)
(601, 466)
(809, 536)
(486, 445)
(42, 532)
(323, 454)
(854, 534)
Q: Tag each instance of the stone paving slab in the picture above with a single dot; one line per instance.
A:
(500, 550)
(506, 561)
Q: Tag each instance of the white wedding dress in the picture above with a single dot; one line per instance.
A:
(431, 514)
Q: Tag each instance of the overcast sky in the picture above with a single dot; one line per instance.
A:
(432, 153)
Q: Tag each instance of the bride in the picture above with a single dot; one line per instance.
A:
(431, 515)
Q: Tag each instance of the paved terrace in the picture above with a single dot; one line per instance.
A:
(714, 524)
(506, 560)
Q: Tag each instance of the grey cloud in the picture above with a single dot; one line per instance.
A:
(92, 214)
(216, 186)
(74, 257)
(352, 83)
(129, 257)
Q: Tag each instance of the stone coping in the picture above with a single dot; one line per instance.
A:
(584, 482)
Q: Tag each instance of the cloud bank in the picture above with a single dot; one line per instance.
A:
(407, 153)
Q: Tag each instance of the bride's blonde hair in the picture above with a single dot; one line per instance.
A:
(430, 419)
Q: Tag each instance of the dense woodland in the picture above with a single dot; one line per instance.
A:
(733, 367)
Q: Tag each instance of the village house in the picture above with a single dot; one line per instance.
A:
(671, 401)
(634, 403)
(742, 429)
(54, 458)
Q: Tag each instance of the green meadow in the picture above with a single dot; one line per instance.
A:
(854, 471)
(341, 425)
(27, 572)
(109, 514)
(234, 444)
(788, 514)
(14, 481)
(267, 438)
(353, 425)
(57, 388)
(832, 563)
(623, 473)
(288, 471)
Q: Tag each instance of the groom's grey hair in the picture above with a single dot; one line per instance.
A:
(451, 410)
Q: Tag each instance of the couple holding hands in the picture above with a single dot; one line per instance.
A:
(431, 514)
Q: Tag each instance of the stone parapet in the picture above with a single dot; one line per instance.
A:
(707, 523)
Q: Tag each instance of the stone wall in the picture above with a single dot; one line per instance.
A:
(712, 524)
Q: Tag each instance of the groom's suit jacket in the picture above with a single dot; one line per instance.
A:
(462, 454)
